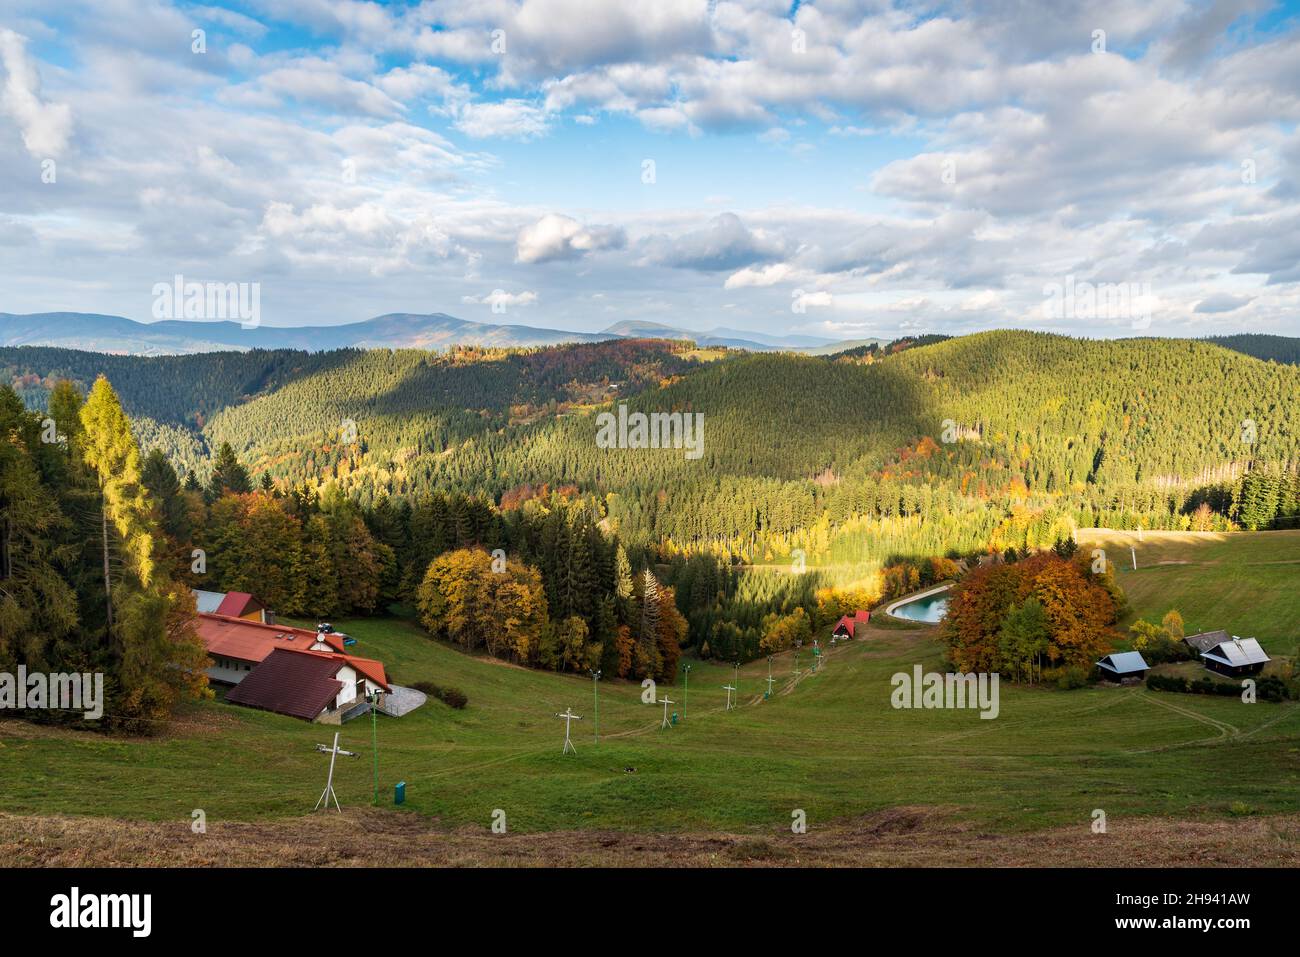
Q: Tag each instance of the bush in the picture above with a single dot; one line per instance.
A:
(1167, 683)
(1071, 677)
(1267, 689)
(1271, 688)
(451, 697)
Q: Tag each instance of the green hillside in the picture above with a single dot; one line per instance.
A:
(829, 744)
(1241, 582)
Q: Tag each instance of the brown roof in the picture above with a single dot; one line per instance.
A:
(252, 640)
(366, 667)
(299, 685)
(1206, 640)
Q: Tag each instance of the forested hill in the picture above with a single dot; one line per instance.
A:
(1145, 428)
(1109, 412)
(1277, 348)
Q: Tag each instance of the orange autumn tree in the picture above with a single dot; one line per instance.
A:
(1079, 611)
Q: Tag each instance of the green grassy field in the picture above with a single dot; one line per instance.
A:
(1245, 582)
(829, 744)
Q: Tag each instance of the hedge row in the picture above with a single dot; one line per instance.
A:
(1266, 689)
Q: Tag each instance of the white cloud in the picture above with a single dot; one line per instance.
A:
(762, 276)
(725, 243)
(560, 237)
(515, 119)
(45, 126)
(500, 299)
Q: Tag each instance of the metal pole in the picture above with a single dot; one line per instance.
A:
(374, 743)
(686, 693)
(595, 691)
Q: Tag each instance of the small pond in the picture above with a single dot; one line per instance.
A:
(930, 608)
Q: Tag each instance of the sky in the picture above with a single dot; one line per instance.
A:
(831, 168)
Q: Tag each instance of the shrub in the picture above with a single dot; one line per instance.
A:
(1071, 677)
(1271, 688)
(451, 697)
(1167, 683)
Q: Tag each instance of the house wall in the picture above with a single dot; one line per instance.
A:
(1233, 672)
(230, 670)
(348, 693)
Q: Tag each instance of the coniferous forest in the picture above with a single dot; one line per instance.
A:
(467, 489)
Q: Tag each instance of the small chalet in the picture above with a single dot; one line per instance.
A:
(847, 626)
(1121, 665)
(1236, 658)
(312, 685)
(234, 604)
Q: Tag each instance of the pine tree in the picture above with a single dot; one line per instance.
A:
(227, 474)
(623, 585)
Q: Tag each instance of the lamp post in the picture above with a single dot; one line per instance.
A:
(686, 690)
(373, 698)
(595, 692)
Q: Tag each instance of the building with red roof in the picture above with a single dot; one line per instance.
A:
(232, 604)
(312, 685)
(240, 649)
(847, 626)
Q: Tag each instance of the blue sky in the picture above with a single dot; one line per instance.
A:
(844, 168)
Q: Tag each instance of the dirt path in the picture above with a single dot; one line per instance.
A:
(904, 836)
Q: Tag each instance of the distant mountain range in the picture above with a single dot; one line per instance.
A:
(115, 334)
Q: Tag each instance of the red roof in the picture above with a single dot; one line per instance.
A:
(252, 641)
(238, 603)
(301, 686)
(851, 622)
(366, 667)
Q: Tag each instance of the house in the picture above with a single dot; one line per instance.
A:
(1119, 665)
(1200, 644)
(312, 685)
(234, 604)
(249, 653)
(1236, 657)
(237, 645)
(847, 626)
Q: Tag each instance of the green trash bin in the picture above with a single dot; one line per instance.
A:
(674, 717)
(399, 793)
